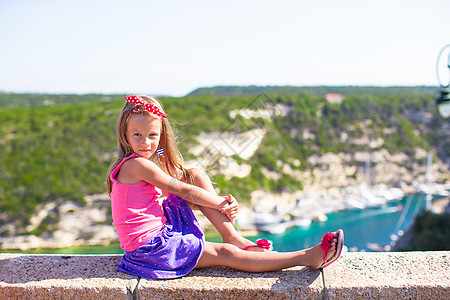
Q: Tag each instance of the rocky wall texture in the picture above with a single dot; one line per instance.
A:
(394, 275)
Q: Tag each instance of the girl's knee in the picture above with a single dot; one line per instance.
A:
(197, 174)
(200, 178)
(227, 250)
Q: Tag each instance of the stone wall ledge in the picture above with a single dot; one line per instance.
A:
(392, 275)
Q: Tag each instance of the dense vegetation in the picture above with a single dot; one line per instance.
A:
(33, 100)
(432, 232)
(316, 90)
(60, 146)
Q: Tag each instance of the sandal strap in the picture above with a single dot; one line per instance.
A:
(326, 244)
(263, 243)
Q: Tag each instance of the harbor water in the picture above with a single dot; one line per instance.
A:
(365, 230)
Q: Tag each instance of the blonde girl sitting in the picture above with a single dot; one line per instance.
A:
(164, 240)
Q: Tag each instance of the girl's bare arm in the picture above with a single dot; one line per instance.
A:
(143, 169)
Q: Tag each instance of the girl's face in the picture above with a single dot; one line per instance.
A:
(143, 134)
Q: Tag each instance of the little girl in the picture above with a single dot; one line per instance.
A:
(165, 240)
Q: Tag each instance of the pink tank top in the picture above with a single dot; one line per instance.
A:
(137, 213)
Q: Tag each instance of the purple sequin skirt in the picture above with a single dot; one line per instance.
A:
(174, 251)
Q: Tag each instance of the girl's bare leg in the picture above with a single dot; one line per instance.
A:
(219, 220)
(231, 256)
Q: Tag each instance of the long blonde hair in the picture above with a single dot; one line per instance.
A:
(172, 164)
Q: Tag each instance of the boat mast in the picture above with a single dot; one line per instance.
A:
(429, 163)
(367, 169)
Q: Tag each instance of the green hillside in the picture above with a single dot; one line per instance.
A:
(8, 100)
(316, 90)
(60, 146)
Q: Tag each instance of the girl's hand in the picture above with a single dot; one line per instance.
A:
(231, 209)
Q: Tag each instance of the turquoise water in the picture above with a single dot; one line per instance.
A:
(361, 227)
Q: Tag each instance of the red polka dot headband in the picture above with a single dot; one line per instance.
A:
(153, 109)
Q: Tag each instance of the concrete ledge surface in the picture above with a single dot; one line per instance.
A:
(390, 275)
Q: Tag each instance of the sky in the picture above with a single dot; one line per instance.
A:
(174, 47)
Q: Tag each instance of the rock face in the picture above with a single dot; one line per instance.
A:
(343, 169)
(217, 152)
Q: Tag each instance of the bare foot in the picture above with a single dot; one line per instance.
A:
(315, 254)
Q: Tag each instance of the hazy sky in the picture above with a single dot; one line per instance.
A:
(173, 47)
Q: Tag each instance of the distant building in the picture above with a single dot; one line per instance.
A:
(334, 98)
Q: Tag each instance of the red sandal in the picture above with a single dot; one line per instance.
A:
(263, 243)
(326, 245)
